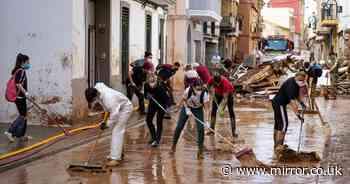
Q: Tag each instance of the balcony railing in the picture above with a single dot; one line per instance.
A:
(329, 13)
(207, 10)
(228, 24)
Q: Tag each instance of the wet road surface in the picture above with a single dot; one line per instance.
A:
(143, 164)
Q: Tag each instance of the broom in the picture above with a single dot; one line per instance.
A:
(87, 166)
(56, 120)
(242, 152)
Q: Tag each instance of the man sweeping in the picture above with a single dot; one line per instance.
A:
(137, 77)
(223, 94)
(165, 72)
(119, 107)
(288, 94)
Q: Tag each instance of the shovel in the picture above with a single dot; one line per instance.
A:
(301, 118)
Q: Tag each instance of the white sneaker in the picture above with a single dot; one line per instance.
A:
(26, 138)
(9, 136)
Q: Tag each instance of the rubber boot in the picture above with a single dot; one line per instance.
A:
(173, 149)
(279, 138)
(200, 153)
(275, 139)
(233, 127)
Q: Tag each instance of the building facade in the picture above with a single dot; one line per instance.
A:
(74, 44)
(344, 29)
(193, 32)
(278, 21)
(327, 25)
(298, 11)
(229, 29)
(250, 26)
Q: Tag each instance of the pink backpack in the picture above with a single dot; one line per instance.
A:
(11, 90)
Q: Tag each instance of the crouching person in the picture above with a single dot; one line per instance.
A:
(194, 101)
(119, 108)
(156, 93)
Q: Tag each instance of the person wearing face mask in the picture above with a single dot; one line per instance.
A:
(119, 108)
(223, 93)
(156, 93)
(165, 72)
(288, 94)
(137, 77)
(21, 80)
(195, 101)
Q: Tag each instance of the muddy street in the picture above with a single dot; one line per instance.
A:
(143, 164)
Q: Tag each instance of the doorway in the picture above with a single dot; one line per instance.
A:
(98, 43)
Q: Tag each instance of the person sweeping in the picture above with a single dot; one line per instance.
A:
(120, 108)
(156, 93)
(288, 94)
(195, 101)
(223, 93)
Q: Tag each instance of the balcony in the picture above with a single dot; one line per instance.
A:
(329, 15)
(205, 10)
(161, 3)
(228, 24)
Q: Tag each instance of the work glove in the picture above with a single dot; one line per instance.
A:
(188, 111)
(149, 96)
(303, 106)
(300, 117)
(103, 126)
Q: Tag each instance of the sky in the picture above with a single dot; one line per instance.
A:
(310, 6)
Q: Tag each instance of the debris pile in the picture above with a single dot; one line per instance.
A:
(266, 78)
(343, 83)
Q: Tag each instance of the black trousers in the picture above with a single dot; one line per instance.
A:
(281, 117)
(137, 90)
(230, 104)
(19, 130)
(154, 109)
(21, 105)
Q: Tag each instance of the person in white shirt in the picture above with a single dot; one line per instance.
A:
(120, 108)
(190, 75)
(195, 101)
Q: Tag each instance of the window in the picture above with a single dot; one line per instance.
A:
(149, 33)
(205, 27)
(213, 28)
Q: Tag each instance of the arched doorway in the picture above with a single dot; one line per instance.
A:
(189, 45)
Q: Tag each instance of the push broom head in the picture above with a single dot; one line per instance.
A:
(84, 167)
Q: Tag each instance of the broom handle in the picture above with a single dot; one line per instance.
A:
(44, 110)
(319, 114)
(93, 147)
(205, 125)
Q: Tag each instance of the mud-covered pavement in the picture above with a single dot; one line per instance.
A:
(143, 164)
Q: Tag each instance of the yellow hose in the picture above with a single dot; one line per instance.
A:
(43, 142)
(7, 155)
